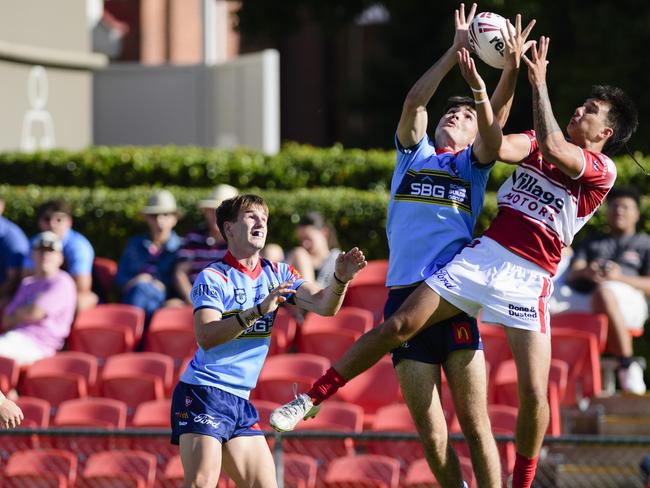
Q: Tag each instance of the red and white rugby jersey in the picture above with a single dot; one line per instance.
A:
(541, 209)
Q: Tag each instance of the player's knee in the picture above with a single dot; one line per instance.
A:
(475, 426)
(396, 330)
(201, 480)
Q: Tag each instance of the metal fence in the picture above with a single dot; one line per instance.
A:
(305, 459)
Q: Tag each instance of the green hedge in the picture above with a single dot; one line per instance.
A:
(295, 167)
(108, 217)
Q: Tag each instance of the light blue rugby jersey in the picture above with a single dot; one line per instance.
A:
(228, 287)
(435, 201)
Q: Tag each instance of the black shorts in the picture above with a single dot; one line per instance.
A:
(433, 344)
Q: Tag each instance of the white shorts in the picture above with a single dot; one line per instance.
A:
(511, 290)
(632, 302)
(21, 348)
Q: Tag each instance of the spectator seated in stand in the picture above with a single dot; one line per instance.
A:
(14, 249)
(315, 257)
(145, 271)
(38, 319)
(610, 274)
(203, 245)
(78, 253)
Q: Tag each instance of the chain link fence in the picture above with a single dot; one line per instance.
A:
(33, 458)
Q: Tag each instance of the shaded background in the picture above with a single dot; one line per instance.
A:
(346, 65)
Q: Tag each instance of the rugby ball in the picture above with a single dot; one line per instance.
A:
(485, 38)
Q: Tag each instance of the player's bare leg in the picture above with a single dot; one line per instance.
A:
(465, 370)
(420, 384)
(619, 341)
(532, 355)
(248, 461)
(422, 308)
(201, 458)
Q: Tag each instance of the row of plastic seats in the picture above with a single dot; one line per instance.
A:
(129, 377)
(136, 468)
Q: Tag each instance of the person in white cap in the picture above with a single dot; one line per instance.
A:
(145, 271)
(202, 245)
(37, 321)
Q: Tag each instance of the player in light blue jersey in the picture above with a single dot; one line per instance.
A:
(437, 193)
(235, 302)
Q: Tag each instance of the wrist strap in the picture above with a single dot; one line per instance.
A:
(478, 102)
(339, 279)
(242, 324)
(477, 91)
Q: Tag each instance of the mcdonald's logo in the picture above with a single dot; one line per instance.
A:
(462, 333)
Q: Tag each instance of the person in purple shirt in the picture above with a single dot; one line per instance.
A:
(78, 253)
(37, 321)
(145, 271)
(14, 248)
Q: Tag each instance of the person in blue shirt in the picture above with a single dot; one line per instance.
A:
(14, 249)
(235, 301)
(145, 271)
(437, 193)
(78, 253)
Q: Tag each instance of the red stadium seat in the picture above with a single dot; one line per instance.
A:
(336, 417)
(349, 318)
(36, 412)
(365, 470)
(64, 376)
(299, 471)
(419, 474)
(371, 297)
(395, 418)
(583, 321)
(284, 332)
(171, 332)
(264, 409)
(153, 414)
(373, 389)
(104, 271)
(91, 412)
(9, 373)
(40, 468)
(327, 342)
(117, 469)
(580, 351)
(373, 274)
(107, 329)
(495, 346)
(281, 371)
(36, 415)
(137, 377)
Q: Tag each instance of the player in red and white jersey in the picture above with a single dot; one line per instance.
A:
(506, 274)
(541, 208)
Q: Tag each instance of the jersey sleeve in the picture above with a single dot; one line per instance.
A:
(598, 171)
(406, 155)
(208, 290)
(80, 257)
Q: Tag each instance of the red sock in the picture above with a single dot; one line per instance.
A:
(326, 386)
(524, 472)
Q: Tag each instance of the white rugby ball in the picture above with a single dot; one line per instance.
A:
(485, 38)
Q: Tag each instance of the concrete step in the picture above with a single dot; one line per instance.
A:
(597, 454)
(623, 404)
(632, 425)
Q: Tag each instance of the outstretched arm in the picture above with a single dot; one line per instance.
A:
(413, 121)
(554, 147)
(489, 136)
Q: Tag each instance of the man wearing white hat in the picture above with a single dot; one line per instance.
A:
(145, 271)
(202, 245)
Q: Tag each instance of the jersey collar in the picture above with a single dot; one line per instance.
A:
(231, 261)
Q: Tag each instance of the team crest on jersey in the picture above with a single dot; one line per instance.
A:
(188, 401)
(240, 295)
